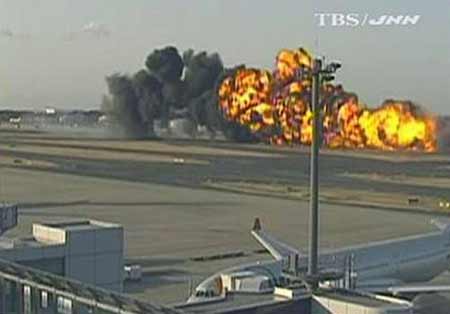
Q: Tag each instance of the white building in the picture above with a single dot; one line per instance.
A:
(88, 251)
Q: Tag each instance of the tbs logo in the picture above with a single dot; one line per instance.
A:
(357, 19)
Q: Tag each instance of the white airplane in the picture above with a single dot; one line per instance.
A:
(391, 267)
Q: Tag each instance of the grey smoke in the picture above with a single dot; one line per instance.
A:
(444, 134)
(148, 90)
(122, 106)
(171, 82)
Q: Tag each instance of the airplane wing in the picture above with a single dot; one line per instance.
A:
(277, 249)
(401, 289)
(409, 289)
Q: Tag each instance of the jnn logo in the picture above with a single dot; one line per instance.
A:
(357, 19)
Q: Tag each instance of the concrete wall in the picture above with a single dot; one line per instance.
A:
(96, 256)
(27, 253)
(50, 265)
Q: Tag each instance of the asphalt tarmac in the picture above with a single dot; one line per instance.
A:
(161, 193)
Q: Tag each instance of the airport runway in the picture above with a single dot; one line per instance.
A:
(170, 215)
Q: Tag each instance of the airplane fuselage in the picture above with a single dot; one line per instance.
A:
(372, 267)
(411, 259)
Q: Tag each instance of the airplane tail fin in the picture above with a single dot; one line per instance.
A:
(441, 224)
(257, 225)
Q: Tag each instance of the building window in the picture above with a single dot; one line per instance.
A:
(44, 299)
(27, 299)
(64, 305)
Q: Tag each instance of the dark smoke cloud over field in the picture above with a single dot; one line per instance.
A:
(444, 138)
(202, 72)
(123, 106)
(170, 82)
(167, 66)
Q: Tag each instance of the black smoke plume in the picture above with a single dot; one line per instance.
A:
(167, 65)
(202, 72)
(170, 82)
(122, 107)
(148, 90)
(444, 134)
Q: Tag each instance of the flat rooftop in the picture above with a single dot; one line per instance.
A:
(236, 301)
(240, 301)
(78, 225)
(354, 298)
(10, 243)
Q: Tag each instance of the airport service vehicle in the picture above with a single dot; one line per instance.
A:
(397, 266)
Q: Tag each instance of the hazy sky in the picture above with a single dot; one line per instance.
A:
(57, 52)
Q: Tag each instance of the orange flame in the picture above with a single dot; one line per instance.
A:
(277, 106)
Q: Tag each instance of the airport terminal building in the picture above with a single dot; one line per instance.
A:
(86, 250)
(69, 267)
(76, 267)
